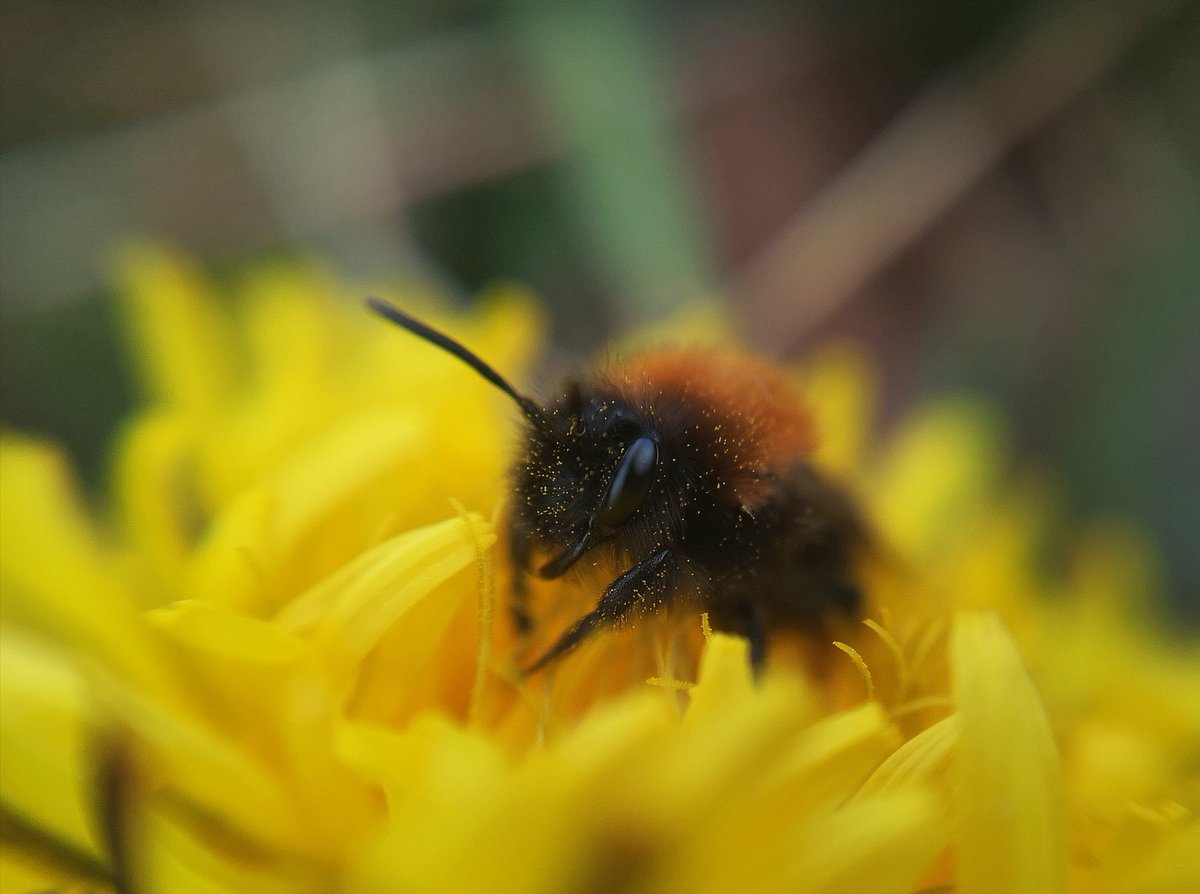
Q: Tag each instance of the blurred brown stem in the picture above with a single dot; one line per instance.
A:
(935, 151)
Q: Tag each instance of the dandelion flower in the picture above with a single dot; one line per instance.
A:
(270, 662)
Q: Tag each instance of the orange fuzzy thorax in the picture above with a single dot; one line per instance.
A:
(755, 424)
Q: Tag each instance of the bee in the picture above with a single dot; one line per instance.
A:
(690, 471)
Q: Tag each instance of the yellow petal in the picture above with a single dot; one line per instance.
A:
(512, 327)
(275, 702)
(456, 821)
(430, 760)
(290, 317)
(46, 731)
(326, 501)
(205, 769)
(1012, 827)
(935, 477)
(333, 469)
(226, 634)
(347, 613)
(724, 677)
(55, 577)
(158, 506)
(731, 722)
(1175, 869)
(879, 845)
(179, 336)
(996, 568)
(228, 567)
(839, 387)
(613, 734)
(170, 854)
(45, 871)
(829, 761)
(924, 759)
(766, 804)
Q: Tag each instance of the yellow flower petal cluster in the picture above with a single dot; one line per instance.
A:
(276, 660)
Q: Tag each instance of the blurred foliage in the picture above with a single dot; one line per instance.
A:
(62, 373)
(621, 157)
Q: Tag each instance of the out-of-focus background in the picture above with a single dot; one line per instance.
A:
(997, 197)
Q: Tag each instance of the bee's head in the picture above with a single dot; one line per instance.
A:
(587, 476)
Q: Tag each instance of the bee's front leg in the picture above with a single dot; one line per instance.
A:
(642, 589)
(520, 550)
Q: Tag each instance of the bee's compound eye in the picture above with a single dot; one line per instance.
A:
(629, 486)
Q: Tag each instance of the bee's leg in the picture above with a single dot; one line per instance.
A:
(643, 588)
(519, 550)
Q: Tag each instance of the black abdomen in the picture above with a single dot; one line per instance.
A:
(792, 563)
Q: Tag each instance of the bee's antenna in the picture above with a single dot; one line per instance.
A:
(393, 314)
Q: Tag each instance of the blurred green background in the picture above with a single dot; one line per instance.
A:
(999, 198)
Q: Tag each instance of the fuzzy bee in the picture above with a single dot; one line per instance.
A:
(687, 469)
